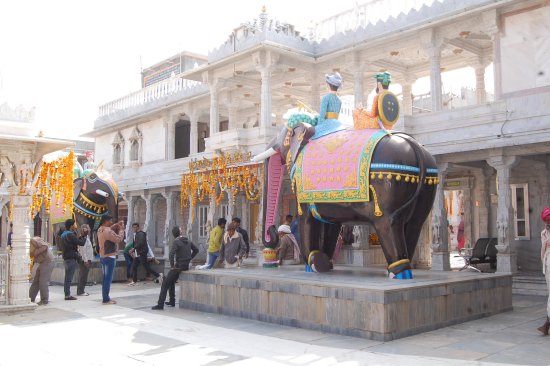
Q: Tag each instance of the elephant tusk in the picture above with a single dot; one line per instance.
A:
(102, 193)
(266, 154)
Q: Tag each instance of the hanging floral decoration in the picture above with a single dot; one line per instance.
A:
(211, 178)
(55, 181)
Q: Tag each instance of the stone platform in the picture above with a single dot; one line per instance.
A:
(359, 302)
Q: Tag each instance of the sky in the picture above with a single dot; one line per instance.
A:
(66, 58)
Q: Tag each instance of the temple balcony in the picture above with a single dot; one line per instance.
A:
(249, 139)
(151, 98)
(511, 121)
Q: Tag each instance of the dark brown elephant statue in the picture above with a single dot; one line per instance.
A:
(95, 195)
(351, 177)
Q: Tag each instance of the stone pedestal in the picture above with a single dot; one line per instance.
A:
(507, 262)
(441, 261)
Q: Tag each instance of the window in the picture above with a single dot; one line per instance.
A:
(118, 150)
(225, 211)
(520, 204)
(136, 140)
(203, 214)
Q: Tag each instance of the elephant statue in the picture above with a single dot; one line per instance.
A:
(351, 177)
(95, 195)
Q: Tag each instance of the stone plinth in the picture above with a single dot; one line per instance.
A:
(349, 301)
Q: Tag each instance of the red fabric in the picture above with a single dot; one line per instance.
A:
(545, 214)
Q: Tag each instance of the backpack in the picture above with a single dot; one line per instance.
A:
(58, 240)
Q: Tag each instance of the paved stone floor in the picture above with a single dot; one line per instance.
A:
(84, 332)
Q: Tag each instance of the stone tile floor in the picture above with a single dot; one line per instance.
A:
(84, 332)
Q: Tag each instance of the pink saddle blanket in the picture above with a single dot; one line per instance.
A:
(335, 168)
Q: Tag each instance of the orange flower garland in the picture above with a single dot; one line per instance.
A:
(55, 180)
(217, 175)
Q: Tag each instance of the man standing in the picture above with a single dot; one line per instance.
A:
(181, 253)
(233, 247)
(141, 247)
(244, 234)
(71, 242)
(87, 254)
(214, 244)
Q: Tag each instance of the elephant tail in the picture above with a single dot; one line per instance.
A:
(421, 175)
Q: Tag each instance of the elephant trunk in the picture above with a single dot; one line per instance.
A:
(273, 179)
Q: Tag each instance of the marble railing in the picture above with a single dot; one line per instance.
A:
(147, 98)
(511, 121)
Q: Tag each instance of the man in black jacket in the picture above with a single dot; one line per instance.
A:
(244, 234)
(71, 257)
(141, 247)
(181, 253)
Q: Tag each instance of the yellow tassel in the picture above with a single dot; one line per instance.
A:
(389, 176)
(380, 176)
(377, 210)
(398, 178)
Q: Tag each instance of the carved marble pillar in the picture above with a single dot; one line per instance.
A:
(482, 200)
(214, 109)
(130, 219)
(232, 116)
(407, 98)
(358, 86)
(148, 224)
(506, 257)
(434, 51)
(170, 133)
(194, 134)
(439, 227)
(480, 84)
(169, 222)
(265, 97)
(18, 292)
(190, 219)
(210, 222)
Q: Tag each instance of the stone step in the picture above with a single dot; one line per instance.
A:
(529, 285)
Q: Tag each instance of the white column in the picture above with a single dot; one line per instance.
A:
(480, 84)
(191, 216)
(194, 134)
(214, 109)
(482, 201)
(434, 52)
(358, 87)
(170, 133)
(130, 219)
(440, 240)
(265, 97)
(506, 257)
(18, 282)
(148, 224)
(169, 222)
(232, 116)
(407, 109)
(314, 79)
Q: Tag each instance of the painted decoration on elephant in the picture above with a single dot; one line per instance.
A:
(336, 168)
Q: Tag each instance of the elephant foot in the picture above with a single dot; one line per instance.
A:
(405, 275)
(319, 262)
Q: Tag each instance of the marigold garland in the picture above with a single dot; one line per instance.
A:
(54, 181)
(218, 175)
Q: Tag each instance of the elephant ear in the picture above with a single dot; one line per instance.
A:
(300, 137)
(77, 186)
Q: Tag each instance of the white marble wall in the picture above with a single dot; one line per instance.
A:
(525, 50)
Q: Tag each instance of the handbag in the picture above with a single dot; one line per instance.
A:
(110, 247)
(132, 253)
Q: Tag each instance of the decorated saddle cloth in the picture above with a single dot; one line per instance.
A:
(336, 167)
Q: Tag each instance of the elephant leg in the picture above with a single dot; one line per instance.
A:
(330, 238)
(392, 240)
(311, 233)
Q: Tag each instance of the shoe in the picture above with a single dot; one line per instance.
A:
(83, 294)
(132, 283)
(160, 278)
(157, 307)
(43, 302)
(148, 278)
(544, 328)
(171, 303)
(70, 298)
(110, 302)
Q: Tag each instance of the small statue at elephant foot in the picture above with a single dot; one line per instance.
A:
(385, 107)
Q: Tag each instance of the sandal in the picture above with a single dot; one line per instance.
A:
(110, 302)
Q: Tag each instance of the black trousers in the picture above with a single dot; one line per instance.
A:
(142, 259)
(169, 285)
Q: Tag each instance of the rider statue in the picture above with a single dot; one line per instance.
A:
(89, 166)
(331, 104)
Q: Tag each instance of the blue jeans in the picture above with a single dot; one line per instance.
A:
(212, 259)
(70, 268)
(129, 261)
(108, 268)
